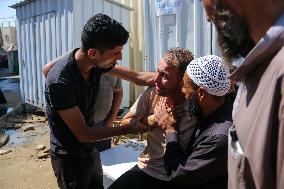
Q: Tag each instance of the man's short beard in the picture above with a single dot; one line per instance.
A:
(165, 93)
(193, 106)
(162, 94)
(233, 35)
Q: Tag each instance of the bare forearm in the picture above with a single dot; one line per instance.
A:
(139, 78)
(117, 98)
(145, 78)
(89, 134)
(125, 122)
(93, 134)
(75, 121)
(148, 121)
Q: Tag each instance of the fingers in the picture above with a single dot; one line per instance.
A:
(152, 121)
(162, 115)
(109, 123)
(140, 128)
(136, 126)
(135, 120)
(160, 111)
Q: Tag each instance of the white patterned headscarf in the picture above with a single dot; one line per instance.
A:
(210, 73)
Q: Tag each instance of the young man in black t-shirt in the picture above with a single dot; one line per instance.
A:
(72, 85)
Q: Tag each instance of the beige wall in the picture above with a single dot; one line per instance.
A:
(9, 36)
(136, 41)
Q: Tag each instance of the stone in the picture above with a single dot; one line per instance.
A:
(4, 138)
(43, 155)
(40, 147)
(46, 151)
(3, 152)
(27, 128)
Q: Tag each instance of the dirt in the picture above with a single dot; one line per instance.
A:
(21, 168)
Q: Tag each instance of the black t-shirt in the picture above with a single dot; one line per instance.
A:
(66, 88)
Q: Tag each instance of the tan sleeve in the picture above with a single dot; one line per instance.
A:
(141, 105)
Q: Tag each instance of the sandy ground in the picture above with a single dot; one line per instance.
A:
(21, 168)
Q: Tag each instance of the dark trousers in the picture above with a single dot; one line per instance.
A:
(2, 98)
(103, 145)
(136, 178)
(77, 171)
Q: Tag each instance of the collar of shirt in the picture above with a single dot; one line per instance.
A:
(264, 49)
(76, 72)
(223, 113)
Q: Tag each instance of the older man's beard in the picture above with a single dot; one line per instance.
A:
(233, 35)
(193, 107)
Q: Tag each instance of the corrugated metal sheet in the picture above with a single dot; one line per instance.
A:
(57, 25)
(150, 35)
(43, 36)
(49, 28)
(22, 3)
(85, 9)
(187, 29)
(137, 48)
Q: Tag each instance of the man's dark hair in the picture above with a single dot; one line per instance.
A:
(102, 32)
(233, 34)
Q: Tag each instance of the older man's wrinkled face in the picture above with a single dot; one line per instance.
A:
(233, 35)
(167, 80)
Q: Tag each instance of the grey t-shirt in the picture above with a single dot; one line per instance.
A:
(105, 96)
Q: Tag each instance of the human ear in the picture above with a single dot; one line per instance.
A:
(201, 94)
(92, 53)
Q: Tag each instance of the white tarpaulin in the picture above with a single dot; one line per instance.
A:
(119, 159)
(165, 7)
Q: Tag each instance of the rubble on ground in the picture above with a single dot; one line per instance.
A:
(44, 154)
(3, 152)
(40, 147)
(31, 121)
(27, 128)
(4, 138)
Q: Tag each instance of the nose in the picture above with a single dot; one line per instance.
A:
(208, 18)
(209, 10)
(157, 79)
